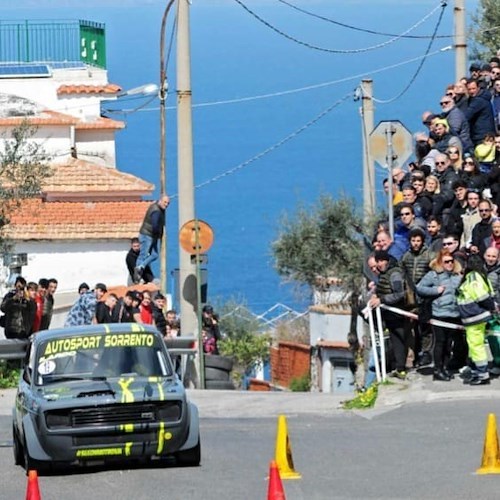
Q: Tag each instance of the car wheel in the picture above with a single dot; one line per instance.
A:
(17, 448)
(221, 362)
(190, 457)
(219, 385)
(32, 464)
(216, 374)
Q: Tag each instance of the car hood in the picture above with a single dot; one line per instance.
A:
(124, 390)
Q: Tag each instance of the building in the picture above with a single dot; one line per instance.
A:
(54, 76)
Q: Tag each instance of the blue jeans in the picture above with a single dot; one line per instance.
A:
(148, 252)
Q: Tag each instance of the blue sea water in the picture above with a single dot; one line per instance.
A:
(234, 56)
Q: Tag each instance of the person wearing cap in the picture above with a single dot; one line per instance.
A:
(127, 309)
(83, 310)
(150, 235)
(390, 290)
(479, 112)
(475, 70)
(83, 288)
(443, 137)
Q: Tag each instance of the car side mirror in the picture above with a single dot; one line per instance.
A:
(27, 374)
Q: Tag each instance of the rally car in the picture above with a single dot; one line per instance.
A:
(93, 394)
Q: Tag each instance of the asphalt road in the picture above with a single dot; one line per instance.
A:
(423, 450)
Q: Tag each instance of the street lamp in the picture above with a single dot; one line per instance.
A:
(145, 90)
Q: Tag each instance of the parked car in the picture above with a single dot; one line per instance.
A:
(93, 394)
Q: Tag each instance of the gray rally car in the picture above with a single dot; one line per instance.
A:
(93, 394)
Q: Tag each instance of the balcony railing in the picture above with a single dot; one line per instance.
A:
(53, 41)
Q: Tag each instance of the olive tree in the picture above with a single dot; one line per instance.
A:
(24, 165)
(322, 245)
(484, 29)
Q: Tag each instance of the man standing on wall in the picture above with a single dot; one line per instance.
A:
(150, 235)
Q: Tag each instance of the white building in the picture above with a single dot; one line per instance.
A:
(80, 227)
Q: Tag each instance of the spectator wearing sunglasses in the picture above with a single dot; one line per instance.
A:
(446, 177)
(457, 122)
(481, 232)
(472, 175)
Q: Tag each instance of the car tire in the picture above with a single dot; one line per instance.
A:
(17, 448)
(216, 374)
(221, 362)
(219, 385)
(32, 464)
(190, 457)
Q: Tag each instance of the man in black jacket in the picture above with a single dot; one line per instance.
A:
(131, 261)
(19, 311)
(150, 235)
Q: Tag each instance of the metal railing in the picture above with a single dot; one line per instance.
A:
(53, 41)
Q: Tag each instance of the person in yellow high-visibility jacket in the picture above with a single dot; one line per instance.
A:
(475, 298)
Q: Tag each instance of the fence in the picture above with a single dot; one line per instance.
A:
(50, 41)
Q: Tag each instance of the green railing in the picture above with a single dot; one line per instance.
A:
(53, 41)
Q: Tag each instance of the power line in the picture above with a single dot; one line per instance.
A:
(296, 90)
(355, 28)
(274, 146)
(324, 49)
(413, 78)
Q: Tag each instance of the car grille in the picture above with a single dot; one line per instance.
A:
(117, 414)
(135, 437)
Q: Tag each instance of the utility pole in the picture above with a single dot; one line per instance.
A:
(187, 269)
(389, 132)
(460, 40)
(368, 164)
(163, 165)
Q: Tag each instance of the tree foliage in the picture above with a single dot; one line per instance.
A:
(320, 243)
(24, 165)
(485, 32)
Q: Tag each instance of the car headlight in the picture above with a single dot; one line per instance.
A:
(58, 419)
(170, 413)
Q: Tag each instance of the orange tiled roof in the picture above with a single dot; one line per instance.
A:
(46, 117)
(41, 220)
(100, 124)
(82, 176)
(110, 88)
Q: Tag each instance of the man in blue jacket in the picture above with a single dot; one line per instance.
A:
(479, 112)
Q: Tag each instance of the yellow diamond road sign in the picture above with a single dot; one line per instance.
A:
(401, 143)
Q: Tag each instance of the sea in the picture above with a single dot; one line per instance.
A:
(276, 121)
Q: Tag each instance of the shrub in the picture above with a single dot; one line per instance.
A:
(301, 384)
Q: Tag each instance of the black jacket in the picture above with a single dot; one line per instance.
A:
(19, 316)
(479, 114)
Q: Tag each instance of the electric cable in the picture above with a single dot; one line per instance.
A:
(297, 90)
(414, 77)
(275, 146)
(324, 49)
(355, 28)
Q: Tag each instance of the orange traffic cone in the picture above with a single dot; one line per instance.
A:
(33, 491)
(275, 490)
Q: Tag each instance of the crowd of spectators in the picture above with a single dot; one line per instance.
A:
(445, 242)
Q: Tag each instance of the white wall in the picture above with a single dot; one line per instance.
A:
(101, 142)
(71, 263)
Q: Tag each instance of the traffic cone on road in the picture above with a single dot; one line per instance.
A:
(275, 489)
(33, 491)
(490, 464)
(283, 455)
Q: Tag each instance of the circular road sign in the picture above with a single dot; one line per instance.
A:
(402, 142)
(194, 243)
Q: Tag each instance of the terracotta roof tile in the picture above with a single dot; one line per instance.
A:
(100, 124)
(46, 117)
(82, 176)
(110, 88)
(41, 220)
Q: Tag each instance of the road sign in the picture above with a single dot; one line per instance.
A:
(196, 236)
(402, 143)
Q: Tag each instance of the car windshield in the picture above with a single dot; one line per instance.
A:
(100, 356)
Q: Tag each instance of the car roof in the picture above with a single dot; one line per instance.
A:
(101, 329)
